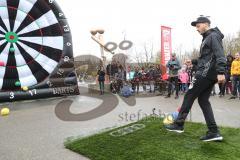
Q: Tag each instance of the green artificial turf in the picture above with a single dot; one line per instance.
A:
(155, 143)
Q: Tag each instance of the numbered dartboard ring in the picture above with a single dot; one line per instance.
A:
(32, 42)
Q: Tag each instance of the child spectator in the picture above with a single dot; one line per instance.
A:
(183, 76)
(126, 90)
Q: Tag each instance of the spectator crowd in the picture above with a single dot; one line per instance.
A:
(131, 80)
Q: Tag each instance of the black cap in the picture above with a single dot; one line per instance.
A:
(201, 19)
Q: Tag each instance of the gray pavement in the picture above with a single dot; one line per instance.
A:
(32, 131)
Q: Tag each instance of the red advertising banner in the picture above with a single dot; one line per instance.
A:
(166, 44)
(166, 47)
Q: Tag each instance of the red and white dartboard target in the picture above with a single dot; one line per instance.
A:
(35, 48)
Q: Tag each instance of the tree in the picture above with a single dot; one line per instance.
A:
(144, 56)
(231, 44)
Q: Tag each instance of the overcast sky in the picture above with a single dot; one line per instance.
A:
(140, 21)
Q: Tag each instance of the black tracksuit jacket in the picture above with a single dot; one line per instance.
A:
(211, 61)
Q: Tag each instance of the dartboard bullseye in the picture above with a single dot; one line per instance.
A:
(34, 43)
(11, 37)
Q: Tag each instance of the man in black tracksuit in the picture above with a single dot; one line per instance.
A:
(210, 69)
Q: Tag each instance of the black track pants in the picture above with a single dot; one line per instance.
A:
(202, 90)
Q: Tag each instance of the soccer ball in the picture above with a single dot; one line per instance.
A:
(5, 111)
(25, 88)
(169, 119)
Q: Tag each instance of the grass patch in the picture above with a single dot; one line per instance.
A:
(155, 143)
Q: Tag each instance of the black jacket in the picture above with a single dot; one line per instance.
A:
(108, 69)
(101, 75)
(211, 61)
(229, 65)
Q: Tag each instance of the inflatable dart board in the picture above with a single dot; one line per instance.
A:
(36, 57)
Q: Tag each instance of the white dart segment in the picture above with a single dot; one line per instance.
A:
(53, 42)
(45, 20)
(4, 54)
(24, 7)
